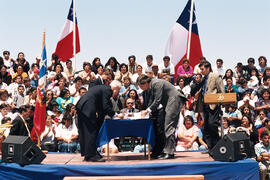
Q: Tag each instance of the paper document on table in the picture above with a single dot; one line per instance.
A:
(139, 116)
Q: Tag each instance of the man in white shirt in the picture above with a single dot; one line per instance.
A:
(8, 61)
(166, 68)
(67, 134)
(147, 67)
(219, 69)
(197, 69)
(69, 70)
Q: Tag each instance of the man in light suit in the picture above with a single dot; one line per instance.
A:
(211, 84)
(164, 93)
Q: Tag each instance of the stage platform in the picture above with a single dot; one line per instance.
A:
(58, 166)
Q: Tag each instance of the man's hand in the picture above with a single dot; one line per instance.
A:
(144, 113)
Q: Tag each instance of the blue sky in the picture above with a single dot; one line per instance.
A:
(229, 29)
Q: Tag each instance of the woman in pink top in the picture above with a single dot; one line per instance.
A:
(187, 135)
(185, 70)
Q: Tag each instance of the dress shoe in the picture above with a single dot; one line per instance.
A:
(99, 155)
(94, 159)
(161, 155)
(154, 156)
(166, 156)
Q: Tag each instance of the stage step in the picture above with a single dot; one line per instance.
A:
(178, 177)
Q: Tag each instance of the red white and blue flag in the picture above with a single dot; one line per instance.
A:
(177, 43)
(64, 48)
(40, 108)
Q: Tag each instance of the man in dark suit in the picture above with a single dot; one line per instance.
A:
(92, 107)
(158, 117)
(166, 94)
(19, 124)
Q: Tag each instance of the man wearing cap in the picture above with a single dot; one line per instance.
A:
(155, 71)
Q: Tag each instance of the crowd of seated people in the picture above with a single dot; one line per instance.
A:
(19, 81)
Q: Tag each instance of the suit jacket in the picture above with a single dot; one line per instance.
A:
(95, 82)
(96, 100)
(163, 92)
(214, 85)
(126, 110)
(18, 127)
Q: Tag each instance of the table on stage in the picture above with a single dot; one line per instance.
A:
(112, 128)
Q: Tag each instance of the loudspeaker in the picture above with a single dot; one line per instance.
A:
(232, 147)
(21, 150)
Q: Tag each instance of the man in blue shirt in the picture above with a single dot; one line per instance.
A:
(262, 150)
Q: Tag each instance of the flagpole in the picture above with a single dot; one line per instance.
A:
(43, 44)
(190, 27)
(74, 34)
(43, 39)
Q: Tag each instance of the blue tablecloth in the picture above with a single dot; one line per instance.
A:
(126, 127)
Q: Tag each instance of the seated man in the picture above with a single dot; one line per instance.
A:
(262, 151)
(129, 107)
(67, 134)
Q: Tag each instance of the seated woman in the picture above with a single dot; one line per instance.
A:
(112, 64)
(187, 135)
(185, 71)
(120, 75)
(48, 140)
(126, 87)
(229, 74)
(67, 135)
(59, 86)
(230, 87)
(250, 129)
(64, 99)
(259, 120)
(264, 102)
(134, 95)
(87, 75)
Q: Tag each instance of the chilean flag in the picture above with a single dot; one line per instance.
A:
(40, 108)
(64, 48)
(177, 43)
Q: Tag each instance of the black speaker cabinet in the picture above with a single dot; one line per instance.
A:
(21, 150)
(232, 147)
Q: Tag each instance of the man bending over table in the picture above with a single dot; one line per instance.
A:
(172, 100)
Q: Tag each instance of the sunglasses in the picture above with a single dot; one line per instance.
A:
(129, 102)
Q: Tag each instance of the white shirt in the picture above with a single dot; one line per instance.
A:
(72, 90)
(50, 136)
(134, 78)
(147, 68)
(52, 73)
(186, 90)
(221, 71)
(66, 133)
(13, 89)
(3, 85)
(169, 68)
(197, 69)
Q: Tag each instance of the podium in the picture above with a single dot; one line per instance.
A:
(220, 99)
